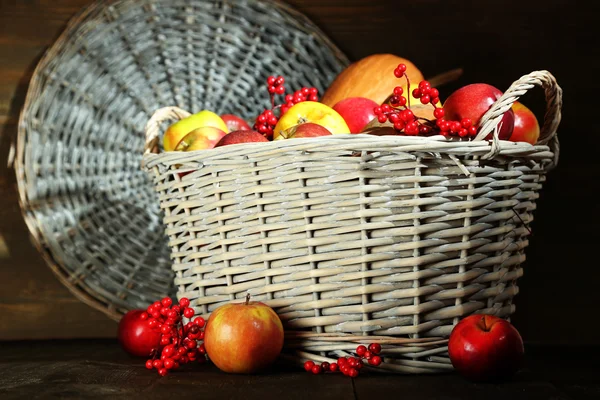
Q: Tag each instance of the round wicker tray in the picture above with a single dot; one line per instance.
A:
(92, 212)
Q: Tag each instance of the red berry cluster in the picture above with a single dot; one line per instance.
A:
(426, 94)
(460, 128)
(266, 121)
(398, 111)
(348, 366)
(178, 342)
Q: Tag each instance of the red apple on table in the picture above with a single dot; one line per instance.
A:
(243, 337)
(235, 123)
(306, 129)
(356, 111)
(485, 348)
(527, 128)
(242, 136)
(136, 336)
(473, 101)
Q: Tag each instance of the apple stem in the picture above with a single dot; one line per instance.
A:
(247, 298)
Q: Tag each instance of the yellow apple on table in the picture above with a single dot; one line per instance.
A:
(311, 111)
(179, 129)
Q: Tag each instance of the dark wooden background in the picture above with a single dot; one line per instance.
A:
(494, 41)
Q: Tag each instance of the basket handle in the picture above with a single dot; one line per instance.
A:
(491, 119)
(153, 126)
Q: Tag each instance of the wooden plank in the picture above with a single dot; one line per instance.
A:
(84, 369)
(100, 369)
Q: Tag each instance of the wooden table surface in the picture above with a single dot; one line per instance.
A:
(495, 42)
(99, 369)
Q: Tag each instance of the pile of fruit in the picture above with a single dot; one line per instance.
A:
(248, 337)
(381, 94)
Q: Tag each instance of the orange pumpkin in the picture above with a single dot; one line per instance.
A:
(371, 77)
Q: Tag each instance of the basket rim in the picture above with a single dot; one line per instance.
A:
(356, 142)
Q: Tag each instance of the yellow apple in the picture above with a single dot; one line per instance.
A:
(202, 138)
(311, 111)
(243, 338)
(181, 128)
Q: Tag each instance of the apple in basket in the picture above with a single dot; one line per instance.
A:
(307, 129)
(177, 131)
(202, 138)
(485, 348)
(241, 136)
(310, 111)
(356, 111)
(243, 337)
(235, 123)
(472, 102)
(527, 127)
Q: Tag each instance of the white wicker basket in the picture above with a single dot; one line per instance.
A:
(357, 238)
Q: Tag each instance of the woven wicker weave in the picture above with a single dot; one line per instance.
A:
(358, 238)
(92, 212)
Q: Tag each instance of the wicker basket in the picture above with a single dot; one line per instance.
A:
(92, 212)
(357, 238)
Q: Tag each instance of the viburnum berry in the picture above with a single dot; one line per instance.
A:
(316, 369)
(149, 364)
(188, 312)
(184, 302)
(375, 348)
(333, 367)
(375, 361)
(168, 363)
(308, 365)
(361, 350)
(325, 366)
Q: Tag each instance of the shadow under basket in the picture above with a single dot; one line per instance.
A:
(358, 238)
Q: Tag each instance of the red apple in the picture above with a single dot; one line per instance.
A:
(472, 101)
(306, 129)
(356, 111)
(527, 128)
(485, 348)
(136, 336)
(243, 337)
(235, 123)
(242, 136)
